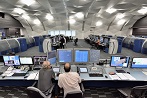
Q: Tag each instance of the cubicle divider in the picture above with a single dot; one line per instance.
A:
(144, 47)
(14, 45)
(23, 44)
(119, 45)
(41, 39)
(36, 40)
(4, 47)
(138, 45)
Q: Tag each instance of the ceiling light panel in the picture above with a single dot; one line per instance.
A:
(19, 10)
(49, 17)
(120, 22)
(111, 10)
(36, 21)
(143, 10)
(79, 15)
(120, 16)
(72, 21)
(28, 2)
(99, 23)
(25, 16)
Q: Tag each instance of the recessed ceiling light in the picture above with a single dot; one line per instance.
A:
(49, 17)
(119, 16)
(120, 22)
(36, 21)
(111, 10)
(143, 10)
(72, 21)
(99, 23)
(79, 15)
(25, 16)
(71, 17)
(28, 2)
(19, 10)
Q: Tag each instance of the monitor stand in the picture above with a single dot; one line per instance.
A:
(119, 70)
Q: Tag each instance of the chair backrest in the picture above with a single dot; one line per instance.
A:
(34, 93)
(139, 92)
(76, 94)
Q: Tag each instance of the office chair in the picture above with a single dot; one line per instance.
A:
(75, 94)
(34, 92)
(135, 92)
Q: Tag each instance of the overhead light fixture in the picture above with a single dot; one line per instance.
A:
(19, 10)
(111, 10)
(49, 17)
(99, 23)
(120, 22)
(36, 21)
(25, 16)
(143, 10)
(120, 16)
(79, 15)
(72, 21)
(71, 17)
(28, 2)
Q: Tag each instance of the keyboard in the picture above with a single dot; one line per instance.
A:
(19, 74)
(120, 71)
(95, 75)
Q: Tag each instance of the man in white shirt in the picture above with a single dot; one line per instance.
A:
(69, 81)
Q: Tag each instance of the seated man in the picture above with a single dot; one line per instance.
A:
(69, 81)
(45, 77)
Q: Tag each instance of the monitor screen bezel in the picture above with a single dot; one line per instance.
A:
(27, 64)
(84, 49)
(64, 62)
(120, 56)
(12, 65)
(38, 56)
(137, 67)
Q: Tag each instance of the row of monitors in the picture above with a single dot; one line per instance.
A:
(123, 61)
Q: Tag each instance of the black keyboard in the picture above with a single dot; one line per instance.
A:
(120, 71)
(95, 75)
(19, 74)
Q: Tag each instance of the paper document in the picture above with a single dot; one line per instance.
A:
(122, 76)
(114, 77)
(129, 76)
(32, 76)
(37, 76)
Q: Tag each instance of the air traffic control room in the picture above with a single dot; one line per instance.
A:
(102, 43)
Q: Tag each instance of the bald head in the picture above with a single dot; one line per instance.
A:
(46, 64)
(67, 67)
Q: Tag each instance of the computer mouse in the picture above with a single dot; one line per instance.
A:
(25, 76)
(112, 73)
(3, 76)
(128, 72)
(106, 76)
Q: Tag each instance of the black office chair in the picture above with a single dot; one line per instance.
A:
(135, 92)
(75, 94)
(34, 92)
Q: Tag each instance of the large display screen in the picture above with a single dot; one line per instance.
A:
(38, 60)
(52, 57)
(139, 63)
(119, 61)
(26, 60)
(65, 55)
(94, 56)
(81, 56)
(11, 60)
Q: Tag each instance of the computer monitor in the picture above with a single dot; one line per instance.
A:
(119, 61)
(101, 39)
(139, 63)
(38, 60)
(81, 55)
(94, 56)
(65, 55)
(1, 59)
(11, 60)
(26, 60)
(52, 57)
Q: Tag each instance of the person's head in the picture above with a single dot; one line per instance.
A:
(123, 59)
(46, 65)
(67, 67)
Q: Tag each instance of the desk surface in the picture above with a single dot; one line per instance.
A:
(136, 73)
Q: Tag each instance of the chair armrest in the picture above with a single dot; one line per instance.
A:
(50, 90)
(34, 83)
(122, 92)
(82, 87)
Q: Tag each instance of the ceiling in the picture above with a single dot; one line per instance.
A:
(64, 10)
